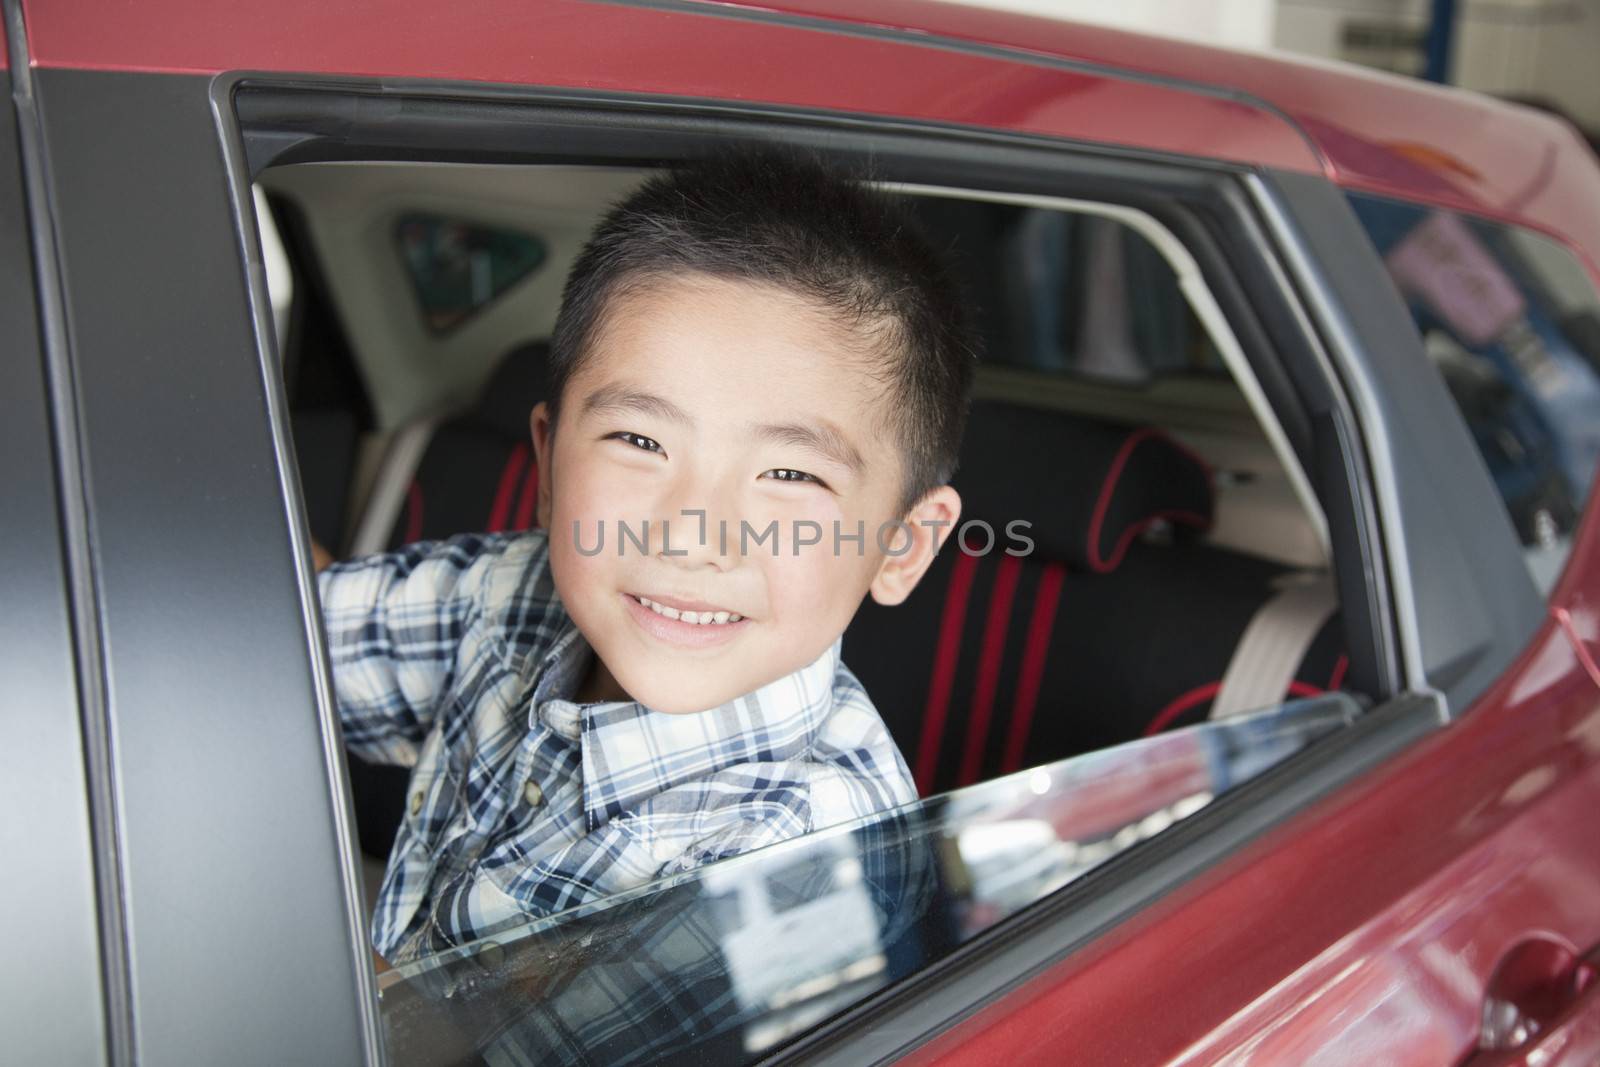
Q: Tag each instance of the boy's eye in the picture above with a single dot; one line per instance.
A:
(638, 440)
(784, 474)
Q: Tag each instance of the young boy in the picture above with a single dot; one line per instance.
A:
(759, 380)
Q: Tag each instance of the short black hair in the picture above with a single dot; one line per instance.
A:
(788, 220)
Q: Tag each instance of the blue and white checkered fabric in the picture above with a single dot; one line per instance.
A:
(455, 658)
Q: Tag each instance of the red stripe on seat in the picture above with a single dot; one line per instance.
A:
(1202, 693)
(1342, 665)
(1199, 694)
(994, 648)
(1108, 489)
(1040, 625)
(945, 656)
(413, 513)
(501, 511)
(529, 497)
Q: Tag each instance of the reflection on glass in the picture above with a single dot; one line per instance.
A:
(457, 268)
(725, 963)
(1512, 322)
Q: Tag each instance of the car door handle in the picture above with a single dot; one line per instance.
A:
(1542, 1006)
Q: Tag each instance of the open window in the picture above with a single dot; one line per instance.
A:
(1172, 630)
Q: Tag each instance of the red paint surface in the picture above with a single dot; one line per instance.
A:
(1366, 130)
(568, 43)
(1376, 132)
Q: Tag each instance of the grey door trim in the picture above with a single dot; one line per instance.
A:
(1463, 599)
(248, 235)
(239, 940)
(82, 590)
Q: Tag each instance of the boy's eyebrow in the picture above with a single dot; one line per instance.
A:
(821, 437)
(620, 398)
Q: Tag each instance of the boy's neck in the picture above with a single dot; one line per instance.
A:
(599, 685)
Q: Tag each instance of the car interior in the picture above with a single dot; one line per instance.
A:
(1180, 568)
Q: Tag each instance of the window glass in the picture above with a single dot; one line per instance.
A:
(726, 963)
(457, 267)
(1512, 321)
(1072, 293)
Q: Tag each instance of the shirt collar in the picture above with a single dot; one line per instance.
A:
(631, 753)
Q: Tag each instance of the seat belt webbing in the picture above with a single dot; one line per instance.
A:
(1274, 643)
(389, 489)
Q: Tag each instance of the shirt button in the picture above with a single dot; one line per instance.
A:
(533, 794)
(416, 802)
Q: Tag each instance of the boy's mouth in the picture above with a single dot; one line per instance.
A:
(682, 623)
(694, 614)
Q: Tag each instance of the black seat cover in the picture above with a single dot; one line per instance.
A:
(478, 473)
(998, 662)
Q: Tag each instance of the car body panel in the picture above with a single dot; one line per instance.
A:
(670, 52)
(1576, 597)
(1377, 132)
(1365, 130)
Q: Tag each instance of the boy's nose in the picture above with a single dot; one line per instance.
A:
(691, 538)
(700, 527)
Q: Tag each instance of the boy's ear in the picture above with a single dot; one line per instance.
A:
(539, 424)
(932, 522)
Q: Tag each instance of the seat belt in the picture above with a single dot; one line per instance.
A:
(1275, 642)
(389, 488)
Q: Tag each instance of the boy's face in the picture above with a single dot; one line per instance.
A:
(750, 405)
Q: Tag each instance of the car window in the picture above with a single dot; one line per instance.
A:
(726, 963)
(1076, 294)
(457, 268)
(1512, 322)
(1128, 521)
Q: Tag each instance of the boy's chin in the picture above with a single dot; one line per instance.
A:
(683, 699)
(681, 691)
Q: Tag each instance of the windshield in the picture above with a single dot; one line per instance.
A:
(725, 963)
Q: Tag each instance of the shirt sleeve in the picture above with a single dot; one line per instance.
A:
(396, 624)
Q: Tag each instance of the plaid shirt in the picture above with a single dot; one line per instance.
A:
(456, 658)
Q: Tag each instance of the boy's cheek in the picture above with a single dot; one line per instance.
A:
(818, 592)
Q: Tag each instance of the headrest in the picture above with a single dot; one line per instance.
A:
(1087, 488)
(517, 384)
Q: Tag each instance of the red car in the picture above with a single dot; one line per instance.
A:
(1280, 745)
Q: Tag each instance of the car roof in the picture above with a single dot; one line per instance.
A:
(906, 58)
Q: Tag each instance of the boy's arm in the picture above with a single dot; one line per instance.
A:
(395, 623)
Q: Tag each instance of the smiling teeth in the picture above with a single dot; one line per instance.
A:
(698, 618)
